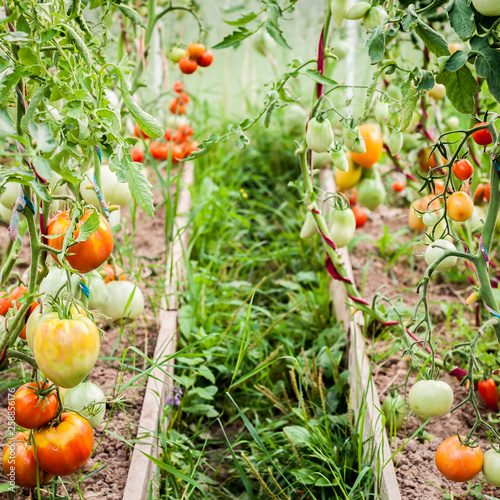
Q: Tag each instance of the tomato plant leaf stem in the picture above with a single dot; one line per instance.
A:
(14, 354)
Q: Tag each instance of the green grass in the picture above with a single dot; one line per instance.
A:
(264, 411)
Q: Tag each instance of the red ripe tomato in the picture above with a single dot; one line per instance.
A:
(177, 153)
(108, 273)
(185, 98)
(398, 186)
(168, 134)
(458, 462)
(482, 137)
(187, 130)
(351, 195)
(34, 405)
(459, 206)
(359, 215)
(19, 462)
(188, 65)
(84, 256)
(178, 87)
(33, 306)
(137, 154)
(206, 59)
(196, 50)
(178, 137)
(489, 393)
(159, 150)
(7, 300)
(175, 107)
(139, 133)
(463, 169)
(481, 194)
(64, 448)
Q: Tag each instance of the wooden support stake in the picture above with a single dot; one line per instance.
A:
(159, 385)
(364, 396)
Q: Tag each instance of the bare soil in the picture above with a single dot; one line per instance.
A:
(416, 471)
(112, 456)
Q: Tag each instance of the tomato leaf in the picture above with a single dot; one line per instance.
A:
(146, 122)
(42, 135)
(235, 38)
(433, 40)
(10, 79)
(139, 186)
(456, 60)
(408, 103)
(319, 78)
(89, 226)
(6, 124)
(487, 64)
(376, 44)
(461, 18)
(134, 16)
(35, 101)
(242, 20)
(461, 87)
(427, 81)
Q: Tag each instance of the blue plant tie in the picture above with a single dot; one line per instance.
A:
(85, 289)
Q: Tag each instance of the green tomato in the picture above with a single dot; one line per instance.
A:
(85, 399)
(358, 11)
(309, 228)
(436, 249)
(437, 92)
(5, 213)
(491, 467)
(381, 111)
(119, 293)
(371, 193)
(394, 411)
(339, 160)
(430, 219)
(354, 142)
(395, 92)
(410, 142)
(98, 291)
(478, 214)
(453, 122)
(55, 283)
(396, 142)
(319, 135)
(113, 191)
(176, 54)
(8, 197)
(430, 398)
(374, 17)
(342, 226)
(339, 10)
(489, 8)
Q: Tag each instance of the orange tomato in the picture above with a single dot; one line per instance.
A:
(84, 256)
(398, 186)
(188, 65)
(34, 405)
(481, 194)
(175, 107)
(458, 462)
(463, 169)
(374, 145)
(422, 205)
(459, 206)
(425, 161)
(196, 50)
(64, 449)
(19, 462)
(359, 215)
(178, 87)
(108, 273)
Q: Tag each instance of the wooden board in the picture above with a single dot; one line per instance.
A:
(159, 383)
(364, 396)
